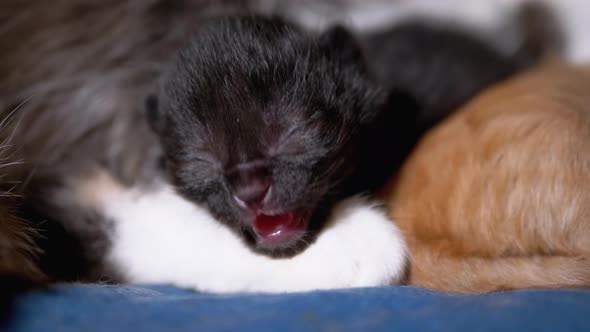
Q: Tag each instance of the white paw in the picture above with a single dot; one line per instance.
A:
(367, 245)
(159, 237)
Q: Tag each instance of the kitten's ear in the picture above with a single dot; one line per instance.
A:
(154, 114)
(340, 42)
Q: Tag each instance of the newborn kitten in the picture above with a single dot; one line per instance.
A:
(495, 197)
(443, 67)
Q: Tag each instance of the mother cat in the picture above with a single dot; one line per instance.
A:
(497, 196)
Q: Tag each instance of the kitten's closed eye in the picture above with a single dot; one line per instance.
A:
(201, 157)
(286, 143)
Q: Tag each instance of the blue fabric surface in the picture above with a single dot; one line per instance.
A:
(115, 308)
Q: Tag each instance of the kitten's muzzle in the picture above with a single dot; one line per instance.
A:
(250, 184)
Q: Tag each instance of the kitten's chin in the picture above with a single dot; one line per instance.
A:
(280, 232)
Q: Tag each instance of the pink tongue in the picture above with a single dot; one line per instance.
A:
(268, 227)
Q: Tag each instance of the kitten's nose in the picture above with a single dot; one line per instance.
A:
(250, 183)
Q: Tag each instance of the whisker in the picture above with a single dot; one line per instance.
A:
(11, 164)
(9, 115)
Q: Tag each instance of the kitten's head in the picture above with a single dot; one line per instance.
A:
(260, 122)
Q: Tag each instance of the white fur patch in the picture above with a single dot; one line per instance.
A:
(162, 238)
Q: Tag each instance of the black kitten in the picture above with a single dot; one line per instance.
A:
(261, 122)
(442, 67)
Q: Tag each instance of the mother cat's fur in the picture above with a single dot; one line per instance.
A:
(497, 196)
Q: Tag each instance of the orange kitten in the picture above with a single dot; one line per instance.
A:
(498, 196)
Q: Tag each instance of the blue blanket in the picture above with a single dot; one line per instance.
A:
(90, 308)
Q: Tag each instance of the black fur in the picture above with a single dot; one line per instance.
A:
(442, 67)
(257, 90)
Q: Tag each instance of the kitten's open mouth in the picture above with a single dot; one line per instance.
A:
(280, 231)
